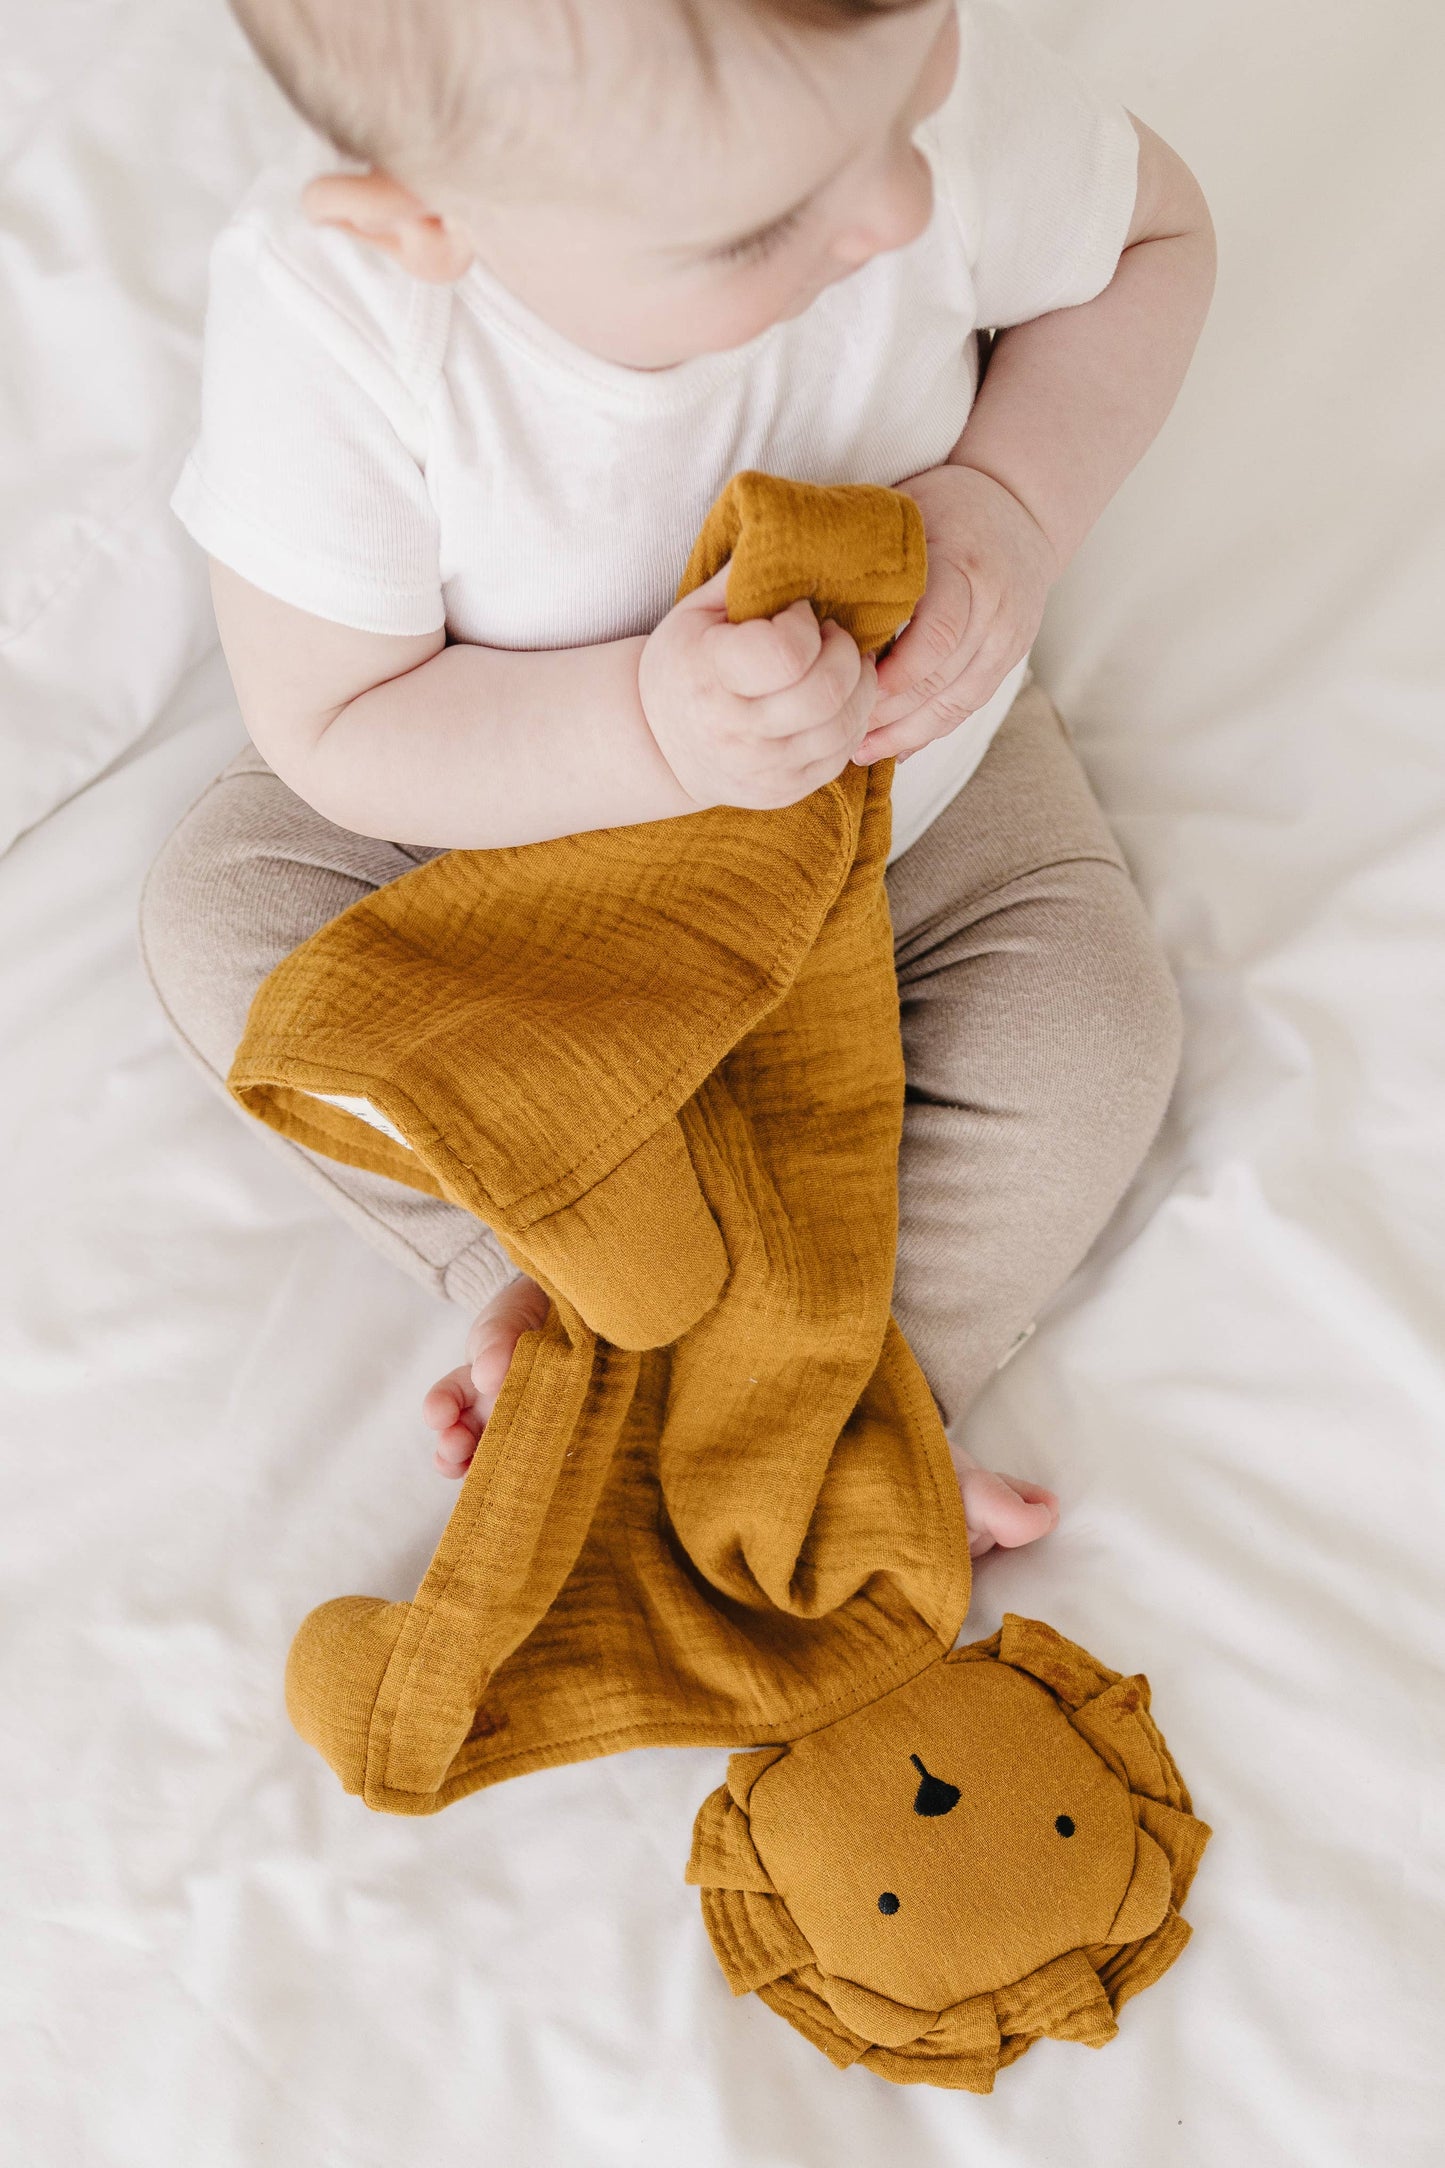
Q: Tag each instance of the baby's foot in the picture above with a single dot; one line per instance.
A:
(458, 1405)
(1001, 1509)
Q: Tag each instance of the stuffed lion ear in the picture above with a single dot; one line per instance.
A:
(745, 1769)
(1147, 1898)
(723, 1853)
(1183, 1837)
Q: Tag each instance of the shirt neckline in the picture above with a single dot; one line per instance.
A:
(684, 381)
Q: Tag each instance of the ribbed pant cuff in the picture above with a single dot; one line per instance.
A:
(477, 1273)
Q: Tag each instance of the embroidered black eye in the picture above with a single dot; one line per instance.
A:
(1064, 1825)
(888, 1903)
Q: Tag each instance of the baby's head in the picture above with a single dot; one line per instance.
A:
(654, 178)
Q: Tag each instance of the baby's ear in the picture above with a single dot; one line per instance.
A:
(380, 211)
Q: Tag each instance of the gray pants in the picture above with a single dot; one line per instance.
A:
(1040, 1029)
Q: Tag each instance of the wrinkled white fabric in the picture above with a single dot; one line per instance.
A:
(129, 129)
(208, 1389)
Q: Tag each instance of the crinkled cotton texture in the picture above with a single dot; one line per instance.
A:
(715, 1501)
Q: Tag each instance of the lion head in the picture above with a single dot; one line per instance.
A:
(993, 1852)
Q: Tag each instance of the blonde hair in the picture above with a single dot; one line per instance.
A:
(433, 89)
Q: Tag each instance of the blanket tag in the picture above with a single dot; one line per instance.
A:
(352, 1103)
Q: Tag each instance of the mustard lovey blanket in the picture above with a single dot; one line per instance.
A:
(715, 1502)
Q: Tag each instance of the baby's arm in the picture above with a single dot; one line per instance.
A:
(468, 747)
(1070, 404)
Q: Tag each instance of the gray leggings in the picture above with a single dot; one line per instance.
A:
(1040, 1029)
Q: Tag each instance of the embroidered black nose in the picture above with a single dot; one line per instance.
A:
(933, 1795)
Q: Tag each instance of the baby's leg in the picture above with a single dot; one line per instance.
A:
(251, 873)
(1041, 1039)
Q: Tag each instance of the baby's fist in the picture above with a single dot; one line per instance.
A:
(757, 714)
(990, 567)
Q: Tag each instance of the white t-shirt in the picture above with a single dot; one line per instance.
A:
(398, 456)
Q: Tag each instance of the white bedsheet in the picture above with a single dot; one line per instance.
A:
(213, 1959)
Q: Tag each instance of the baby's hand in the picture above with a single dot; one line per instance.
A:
(990, 568)
(758, 714)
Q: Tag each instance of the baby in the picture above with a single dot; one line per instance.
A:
(470, 388)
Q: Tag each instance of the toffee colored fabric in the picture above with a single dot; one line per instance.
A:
(1039, 1022)
(715, 1501)
(1018, 1873)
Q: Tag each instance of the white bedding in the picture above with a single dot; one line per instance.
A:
(208, 1390)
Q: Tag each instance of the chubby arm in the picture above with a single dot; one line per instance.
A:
(1072, 401)
(474, 747)
(1069, 405)
(423, 743)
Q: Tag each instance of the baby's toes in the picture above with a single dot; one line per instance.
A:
(1005, 1510)
(489, 1368)
(455, 1451)
(1024, 1511)
(448, 1399)
(520, 1307)
(449, 1411)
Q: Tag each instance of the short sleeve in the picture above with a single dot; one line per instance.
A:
(307, 477)
(1041, 172)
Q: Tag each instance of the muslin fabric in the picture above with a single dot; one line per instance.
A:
(715, 1500)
